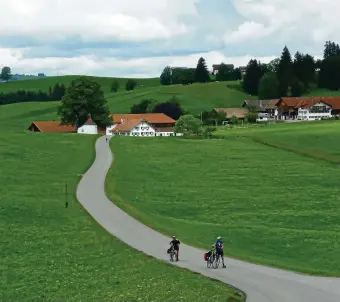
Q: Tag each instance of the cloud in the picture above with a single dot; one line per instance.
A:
(108, 66)
(99, 20)
(141, 37)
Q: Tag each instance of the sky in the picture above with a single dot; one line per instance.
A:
(138, 38)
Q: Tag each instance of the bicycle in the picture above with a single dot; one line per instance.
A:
(210, 260)
(172, 254)
(217, 261)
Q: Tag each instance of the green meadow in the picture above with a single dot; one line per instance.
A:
(53, 253)
(271, 192)
(43, 84)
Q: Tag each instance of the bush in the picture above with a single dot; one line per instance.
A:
(130, 84)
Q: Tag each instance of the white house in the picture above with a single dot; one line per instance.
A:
(89, 127)
(314, 112)
(139, 127)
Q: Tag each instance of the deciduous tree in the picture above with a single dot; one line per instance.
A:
(84, 97)
(6, 74)
(114, 85)
(188, 125)
(130, 84)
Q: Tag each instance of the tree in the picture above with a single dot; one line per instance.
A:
(273, 65)
(171, 108)
(297, 88)
(304, 69)
(166, 76)
(285, 72)
(234, 120)
(141, 107)
(329, 76)
(268, 87)
(331, 49)
(114, 86)
(84, 97)
(188, 125)
(208, 131)
(202, 73)
(254, 72)
(226, 73)
(6, 74)
(130, 84)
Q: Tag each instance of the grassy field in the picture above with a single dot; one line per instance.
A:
(194, 98)
(52, 253)
(273, 206)
(43, 84)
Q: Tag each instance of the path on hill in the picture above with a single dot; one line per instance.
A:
(260, 283)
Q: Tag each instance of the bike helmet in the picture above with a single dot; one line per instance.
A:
(173, 237)
(219, 238)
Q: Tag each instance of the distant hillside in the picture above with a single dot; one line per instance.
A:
(43, 84)
(195, 98)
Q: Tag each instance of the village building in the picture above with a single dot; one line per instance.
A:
(89, 127)
(308, 108)
(267, 109)
(216, 67)
(51, 127)
(162, 124)
(148, 124)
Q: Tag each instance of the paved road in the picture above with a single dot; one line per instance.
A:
(262, 284)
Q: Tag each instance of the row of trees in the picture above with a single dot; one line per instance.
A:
(130, 84)
(54, 93)
(287, 76)
(200, 74)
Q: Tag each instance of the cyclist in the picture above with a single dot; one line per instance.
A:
(174, 243)
(219, 249)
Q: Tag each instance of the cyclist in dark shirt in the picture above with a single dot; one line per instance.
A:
(174, 243)
(219, 249)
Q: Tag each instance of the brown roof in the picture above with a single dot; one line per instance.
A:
(128, 125)
(52, 126)
(238, 112)
(165, 129)
(306, 102)
(152, 118)
(90, 121)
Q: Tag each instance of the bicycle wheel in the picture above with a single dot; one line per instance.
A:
(217, 261)
(172, 254)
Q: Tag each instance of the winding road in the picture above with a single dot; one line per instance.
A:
(260, 283)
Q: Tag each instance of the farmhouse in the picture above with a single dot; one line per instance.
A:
(147, 124)
(266, 109)
(308, 108)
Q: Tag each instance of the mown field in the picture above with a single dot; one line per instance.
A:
(52, 253)
(43, 84)
(273, 205)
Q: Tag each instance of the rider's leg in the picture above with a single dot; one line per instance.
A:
(222, 256)
(177, 254)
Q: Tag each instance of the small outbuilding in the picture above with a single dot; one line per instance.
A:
(90, 127)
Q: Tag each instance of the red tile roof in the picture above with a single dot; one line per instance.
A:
(89, 121)
(128, 125)
(306, 102)
(52, 126)
(152, 118)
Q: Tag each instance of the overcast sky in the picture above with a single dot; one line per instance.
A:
(137, 38)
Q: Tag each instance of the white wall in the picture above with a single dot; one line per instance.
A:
(88, 129)
(143, 129)
(306, 115)
(109, 129)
